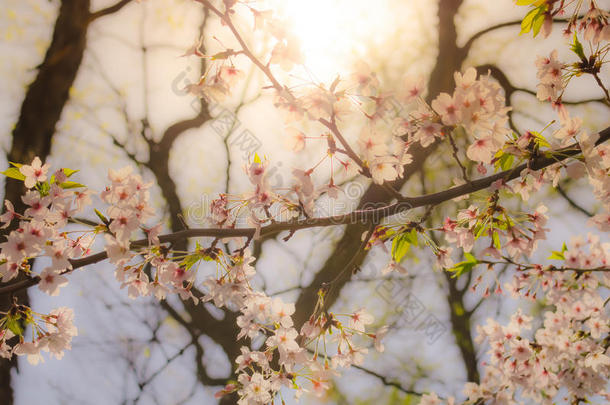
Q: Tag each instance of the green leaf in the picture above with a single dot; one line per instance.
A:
(533, 20)
(12, 323)
(101, 217)
(525, 2)
(190, 261)
(540, 140)
(465, 266)
(17, 165)
(71, 184)
(460, 268)
(507, 161)
(69, 172)
(503, 160)
(480, 231)
(470, 258)
(556, 256)
(526, 23)
(576, 47)
(411, 237)
(43, 188)
(385, 232)
(14, 173)
(496, 239)
(537, 23)
(400, 247)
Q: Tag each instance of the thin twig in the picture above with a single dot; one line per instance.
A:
(573, 203)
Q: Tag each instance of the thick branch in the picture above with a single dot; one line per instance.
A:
(460, 321)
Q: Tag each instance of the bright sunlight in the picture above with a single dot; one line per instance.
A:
(333, 33)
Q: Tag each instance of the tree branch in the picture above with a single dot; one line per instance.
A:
(468, 44)
(510, 89)
(357, 216)
(108, 10)
(386, 381)
(572, 203)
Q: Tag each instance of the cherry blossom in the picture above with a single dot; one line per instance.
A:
(562, 354)
(34, 172)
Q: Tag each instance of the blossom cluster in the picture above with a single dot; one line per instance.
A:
(569, 349)
(551, 77)
(597, 164)
(593, 24)
(479, 107)
(51, 333)
(516, 235)
(594, 28)
(264, 203)
(530, 363)
(283, 359)
(37, 231)
(147, 267)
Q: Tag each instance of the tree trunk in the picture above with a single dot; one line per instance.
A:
(41, 109)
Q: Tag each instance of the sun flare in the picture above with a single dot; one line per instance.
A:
(334, 33)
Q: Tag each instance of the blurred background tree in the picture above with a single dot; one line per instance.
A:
(98, 84)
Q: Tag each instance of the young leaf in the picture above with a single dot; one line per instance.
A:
(503, 160)
(540, 139)
(190, 261)
(470, 258)
(496, 240)
(71, 184)
(411, 237)
(101, 217)
(12, 323)
(43, 188)
(13, 173)
(556, 256)
(400, 247)
(533, 20)
(465, 266)
(526, 23)
(480, 231)
(576, 47)
(69, 172)
(537, 23)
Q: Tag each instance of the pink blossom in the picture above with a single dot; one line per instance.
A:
(36, 172)
(51, 281)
